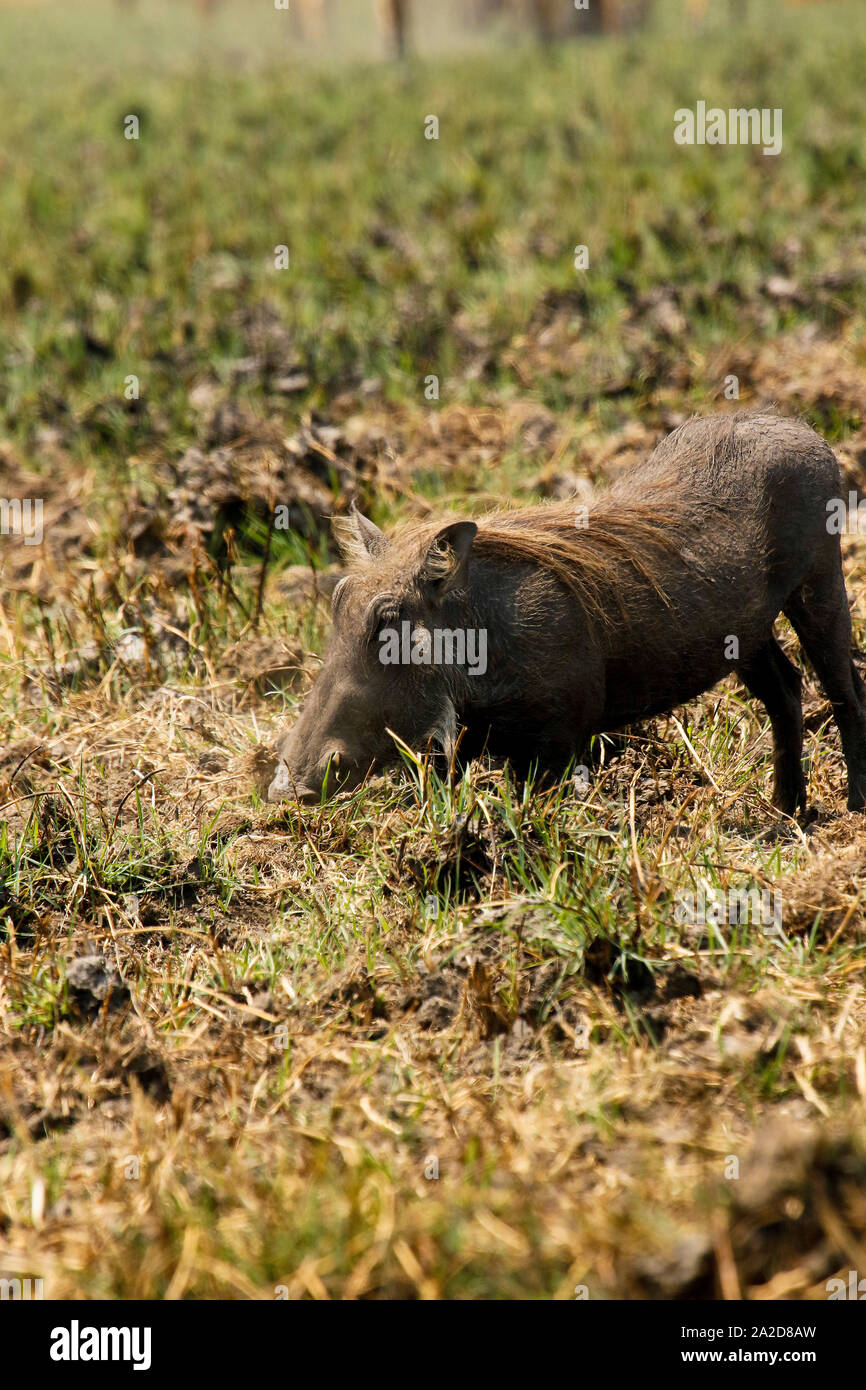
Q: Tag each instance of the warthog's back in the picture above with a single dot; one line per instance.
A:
(742, 468)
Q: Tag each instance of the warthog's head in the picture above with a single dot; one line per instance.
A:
(366, 691)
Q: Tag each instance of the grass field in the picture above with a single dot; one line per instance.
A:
(427, 1040)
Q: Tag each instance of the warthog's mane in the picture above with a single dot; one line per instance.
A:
(598, 561)
(636, 533)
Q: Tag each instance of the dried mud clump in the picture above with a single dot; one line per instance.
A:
(824, 896)
(94, 985)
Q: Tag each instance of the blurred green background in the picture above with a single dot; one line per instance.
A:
(408, 256)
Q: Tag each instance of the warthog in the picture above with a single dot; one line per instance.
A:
(674, 577)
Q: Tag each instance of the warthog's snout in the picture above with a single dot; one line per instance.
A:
(308, 783)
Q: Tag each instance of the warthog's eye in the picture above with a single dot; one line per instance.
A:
(382, 611)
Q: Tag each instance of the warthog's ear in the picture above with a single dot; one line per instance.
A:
(446, 564)
(359, 540)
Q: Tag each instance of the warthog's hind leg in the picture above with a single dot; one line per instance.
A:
(773, 680)
(819, 614)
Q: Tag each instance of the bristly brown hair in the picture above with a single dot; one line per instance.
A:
(591, 561)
